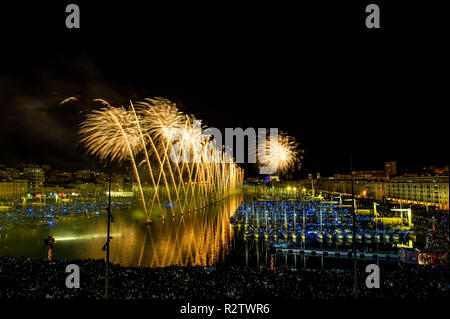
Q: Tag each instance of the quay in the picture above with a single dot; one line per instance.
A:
(335, 253)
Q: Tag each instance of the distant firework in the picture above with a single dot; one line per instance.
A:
(283, 154)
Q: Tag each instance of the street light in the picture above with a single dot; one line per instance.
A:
(108, 233)
(355, 277)
(376, 219)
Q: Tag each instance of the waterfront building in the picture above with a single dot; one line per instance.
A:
(35, 177)
(390, 168)
(418, 190)
(13, 189)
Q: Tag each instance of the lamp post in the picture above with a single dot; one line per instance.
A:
(376, 219)
(108, 234)
(312, 185)
(355, 275)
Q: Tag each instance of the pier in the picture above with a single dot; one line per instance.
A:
(331, 253)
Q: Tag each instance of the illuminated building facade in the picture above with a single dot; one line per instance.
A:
(423, 190)
(35, 177)
(13, 189)
(418, 190)
(390, 168)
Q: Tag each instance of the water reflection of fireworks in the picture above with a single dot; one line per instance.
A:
(197, 239)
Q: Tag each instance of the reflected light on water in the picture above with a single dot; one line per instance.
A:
(86, 237)
(199, 238)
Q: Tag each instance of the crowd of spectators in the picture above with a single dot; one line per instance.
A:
(31, 278)
(437, 240)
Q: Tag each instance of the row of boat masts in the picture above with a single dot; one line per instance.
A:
(275, 214)
(319, 219)
(46, 214)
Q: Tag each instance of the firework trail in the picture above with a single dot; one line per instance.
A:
(72, 98)
(112, 133)
(156, 130)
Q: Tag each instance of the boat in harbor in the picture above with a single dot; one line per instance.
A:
(339, 234)
(303, 236)
(319, 236)
(378, 237)
(367, 235)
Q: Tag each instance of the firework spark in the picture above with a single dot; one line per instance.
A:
(283, 154)
(155, 129)
(161, 118)
(72, 98)
(111, 133)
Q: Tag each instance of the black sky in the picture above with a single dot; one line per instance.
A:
(313, 71)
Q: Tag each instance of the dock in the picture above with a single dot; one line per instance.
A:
(335, 253)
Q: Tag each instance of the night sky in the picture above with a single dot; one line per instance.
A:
(314, 71)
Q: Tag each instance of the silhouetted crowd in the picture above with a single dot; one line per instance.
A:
(437, 241)
(30, 278)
